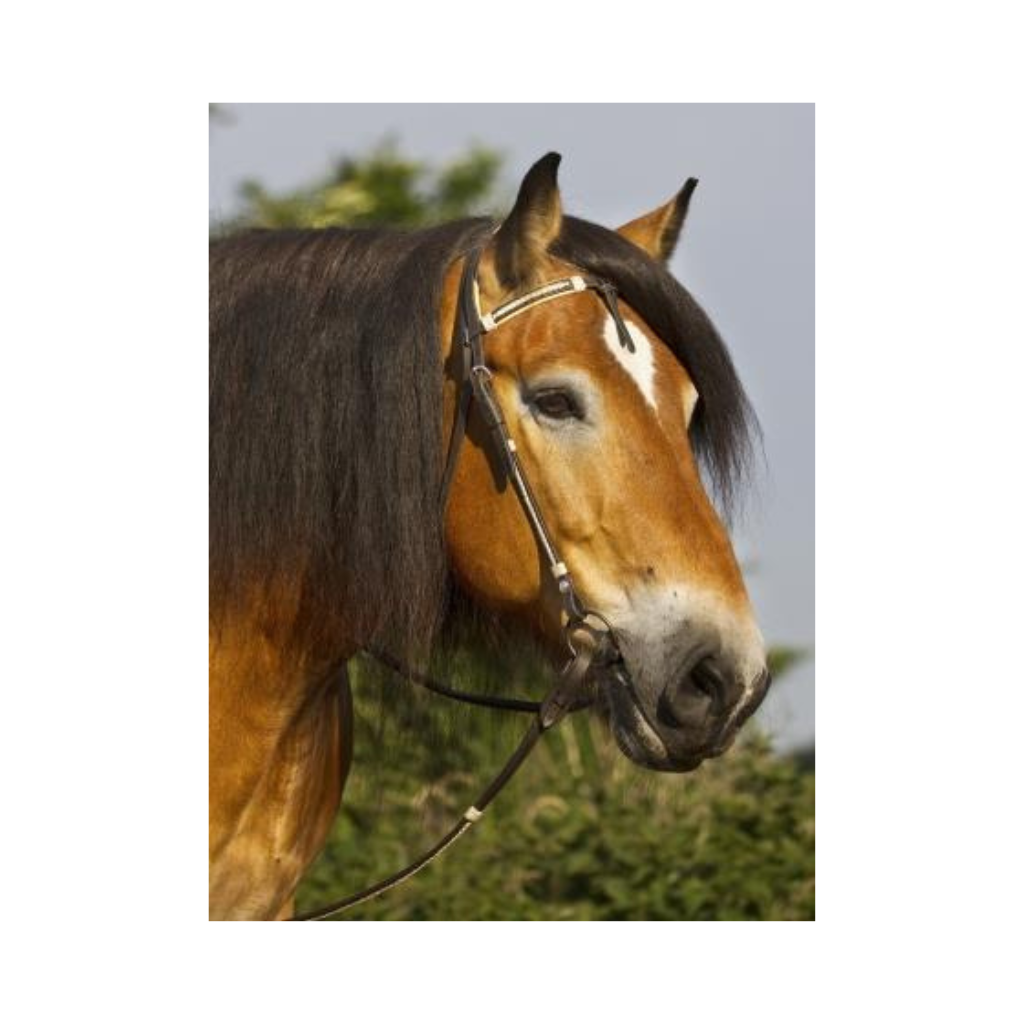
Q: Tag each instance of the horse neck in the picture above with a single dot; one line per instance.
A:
(271, 656)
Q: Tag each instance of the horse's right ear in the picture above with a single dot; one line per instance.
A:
(521, 242)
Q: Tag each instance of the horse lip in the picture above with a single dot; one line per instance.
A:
(644, 744)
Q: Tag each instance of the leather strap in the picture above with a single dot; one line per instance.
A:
(469, 818)
(431, 684)
(467, 318)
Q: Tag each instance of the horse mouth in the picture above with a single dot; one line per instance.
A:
(637, 736)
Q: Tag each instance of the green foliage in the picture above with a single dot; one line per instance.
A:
(382, 188)
(781, 659)
(581, 834)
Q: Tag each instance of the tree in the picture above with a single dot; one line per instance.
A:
(382, 188)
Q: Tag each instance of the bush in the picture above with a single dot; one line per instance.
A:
(580, 834)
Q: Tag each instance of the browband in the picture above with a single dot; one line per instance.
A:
(545, 293)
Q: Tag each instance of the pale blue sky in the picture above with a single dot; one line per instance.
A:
(747, 254)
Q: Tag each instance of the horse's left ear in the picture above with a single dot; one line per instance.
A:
(658, 231)
(521, 243)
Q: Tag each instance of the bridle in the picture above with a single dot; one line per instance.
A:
(588, 636)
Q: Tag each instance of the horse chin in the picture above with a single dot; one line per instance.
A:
(634, 732)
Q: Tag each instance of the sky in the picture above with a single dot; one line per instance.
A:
(747, 254)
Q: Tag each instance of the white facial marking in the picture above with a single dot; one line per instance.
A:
(639, 364)
(690, 397)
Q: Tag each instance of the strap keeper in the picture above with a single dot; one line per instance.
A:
(473, 815)
(558, 570)
(487, 322)
(578, 284)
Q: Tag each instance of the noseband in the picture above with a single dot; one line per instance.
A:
(588, 636)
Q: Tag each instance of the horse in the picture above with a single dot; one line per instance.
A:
(334, 395)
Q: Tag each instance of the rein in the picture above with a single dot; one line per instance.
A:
(588, 636)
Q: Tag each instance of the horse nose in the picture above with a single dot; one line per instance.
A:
(706, 692)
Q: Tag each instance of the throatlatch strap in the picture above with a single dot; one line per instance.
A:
(431, 684)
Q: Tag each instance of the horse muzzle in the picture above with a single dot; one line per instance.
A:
(692, 718)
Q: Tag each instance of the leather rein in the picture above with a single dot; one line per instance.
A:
(589, 637)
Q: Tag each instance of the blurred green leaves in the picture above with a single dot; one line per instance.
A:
(782, 658)
(384, 187)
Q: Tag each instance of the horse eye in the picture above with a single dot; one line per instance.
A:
(557, 405)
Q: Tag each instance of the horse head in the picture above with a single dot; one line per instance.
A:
(612, 428)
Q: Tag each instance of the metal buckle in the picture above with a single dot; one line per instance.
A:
(580, 625)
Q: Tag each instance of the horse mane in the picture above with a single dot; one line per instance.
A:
(326, 425)
(326, 439)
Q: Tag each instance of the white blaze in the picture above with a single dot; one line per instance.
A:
(639, 364)
(690, 397)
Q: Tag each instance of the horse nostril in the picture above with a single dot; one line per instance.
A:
(707, 677)
(693, 699)
(704, 693)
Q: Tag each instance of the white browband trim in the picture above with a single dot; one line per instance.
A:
(547, 292)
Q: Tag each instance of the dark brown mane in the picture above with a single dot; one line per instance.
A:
(325, 421)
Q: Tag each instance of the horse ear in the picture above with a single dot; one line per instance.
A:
(522, 240)
(658, 231)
